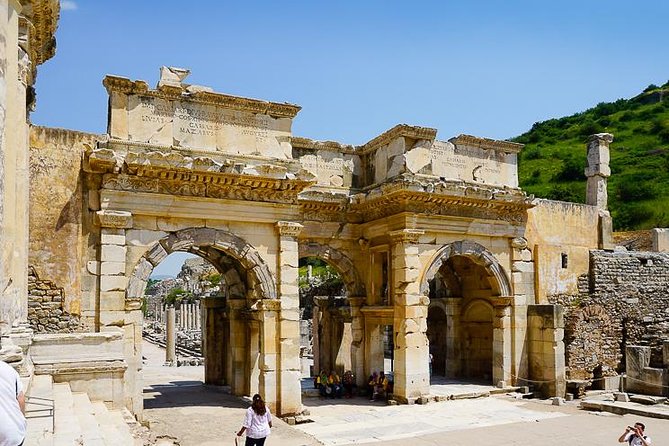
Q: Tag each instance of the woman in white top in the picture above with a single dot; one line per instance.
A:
(257, 422)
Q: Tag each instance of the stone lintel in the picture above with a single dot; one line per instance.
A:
(289, 228)
(115, 219)
(486, 143)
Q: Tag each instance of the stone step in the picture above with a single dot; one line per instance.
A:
(113, 426)
(91, 431)
(68, 430)
(38, 412)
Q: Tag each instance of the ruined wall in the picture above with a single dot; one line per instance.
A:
(58, 209)
(45, 307)
(560, 236)
(623, 301)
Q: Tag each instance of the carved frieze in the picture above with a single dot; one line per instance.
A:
(406, 235)
(289, 228)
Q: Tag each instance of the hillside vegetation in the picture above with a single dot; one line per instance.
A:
(552, 163)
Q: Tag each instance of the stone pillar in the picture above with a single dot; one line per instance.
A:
(269, 352)
(546, 349)
(597, 172)
(524, 293)
(290, 397)
(254, 357)
(598, 169)
(119, 301)
(239, 326)
(412, 378)
(214, 340)
(316, 338)
(358, 340)
(170, 337)
(501, 341)
(453, 339)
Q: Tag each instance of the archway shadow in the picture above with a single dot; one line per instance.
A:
(188, 393)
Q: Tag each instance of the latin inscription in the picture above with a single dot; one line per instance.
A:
(203, 121)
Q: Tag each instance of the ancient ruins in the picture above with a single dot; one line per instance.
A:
(434, 239)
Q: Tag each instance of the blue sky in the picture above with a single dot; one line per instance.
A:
(488, 68)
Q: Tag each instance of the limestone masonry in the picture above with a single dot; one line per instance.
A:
(448, 266)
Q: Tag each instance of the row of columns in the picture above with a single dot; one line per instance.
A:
(188, 316)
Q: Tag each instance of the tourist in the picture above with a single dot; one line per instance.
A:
(348, 381)
(635, 435)
(334, 381)
(380, 386)
(371, 383)
(12, 407)
(323, 384)
(257, 423)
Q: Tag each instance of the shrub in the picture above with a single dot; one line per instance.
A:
(651, 87)
(564, 193)
(630, 216)
(572, 170)
(531, 153)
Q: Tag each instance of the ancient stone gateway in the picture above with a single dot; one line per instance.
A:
(441, 253)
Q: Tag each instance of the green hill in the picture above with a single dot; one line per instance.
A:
(551, 164)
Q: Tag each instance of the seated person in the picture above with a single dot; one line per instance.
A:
(323, 384)
(335, 385)
(380, 387)
(348, 381)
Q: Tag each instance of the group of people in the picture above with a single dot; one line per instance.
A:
(333, 386)
(378, 385)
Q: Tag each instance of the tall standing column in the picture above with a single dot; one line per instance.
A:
(290, 391)
(358, 340)
(597, 172)
(412, 377)
(170, 337)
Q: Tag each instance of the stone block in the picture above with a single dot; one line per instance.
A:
(112, 236)
(143, 237)
(113, 283)
(112, 300)
(112, 268)
(93, 267)
(622, 397)
(113, 253)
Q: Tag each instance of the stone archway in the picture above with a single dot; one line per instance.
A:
(466, 282)
(239, 327)
(337, 331)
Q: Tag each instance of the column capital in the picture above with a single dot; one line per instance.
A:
(289, 228)
(115, 219)
(406, 235)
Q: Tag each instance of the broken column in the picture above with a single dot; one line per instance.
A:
(170, 337)
(597, 172)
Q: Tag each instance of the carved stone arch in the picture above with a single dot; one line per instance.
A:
(466, 311)
(339, 261)
(200, 241)
(479, 255)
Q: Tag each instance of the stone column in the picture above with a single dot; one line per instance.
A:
(316, 338)
(597, 172)
(453, 337)
(290, 397)
(238, 345)
(269, 352)
(598, 169)
(524, 293)
(170, 337)
(501, 342)
(358, 340)
(412, 378)
(214, 340)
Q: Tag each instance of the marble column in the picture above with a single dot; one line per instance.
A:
(170, 337)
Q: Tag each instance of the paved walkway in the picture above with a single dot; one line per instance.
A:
(179, 405)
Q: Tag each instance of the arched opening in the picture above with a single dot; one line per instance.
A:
(325, 318)
(233, 307)
(462, 283)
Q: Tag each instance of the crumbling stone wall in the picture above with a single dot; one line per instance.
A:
(45, 307)
(624, 300)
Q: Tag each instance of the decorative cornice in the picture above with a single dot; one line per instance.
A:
(454, 198)
(405, 235)
(400, 130)
(41, 20)
(486, 143)
(289, 228)
(126, 86)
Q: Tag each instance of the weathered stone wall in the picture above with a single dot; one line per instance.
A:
(623, 301)
(58, 211)
(45, 307)
(560, 236)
